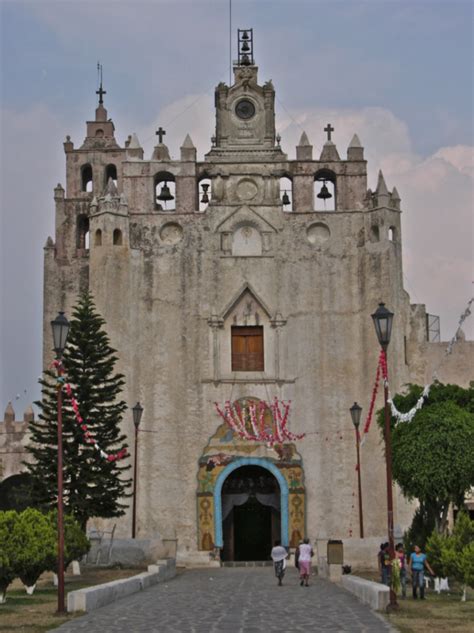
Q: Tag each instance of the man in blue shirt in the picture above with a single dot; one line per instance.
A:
(418, 562)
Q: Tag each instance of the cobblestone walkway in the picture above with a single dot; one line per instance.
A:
(234, 600)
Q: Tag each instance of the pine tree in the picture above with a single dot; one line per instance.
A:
(93, 486)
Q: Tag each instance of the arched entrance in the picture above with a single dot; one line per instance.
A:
(250, 514)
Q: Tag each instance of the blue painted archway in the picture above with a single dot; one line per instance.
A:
(250, 461)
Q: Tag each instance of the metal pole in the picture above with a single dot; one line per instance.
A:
(230, 42)
(61, 605)
(134, 510)
(388, 461)
(361, 519)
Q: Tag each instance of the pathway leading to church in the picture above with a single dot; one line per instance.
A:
(234, 600)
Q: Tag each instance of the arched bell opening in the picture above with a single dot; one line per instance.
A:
(98, 238)
(325, 190)
(374, 233)
(392, 234)
(204, 192)
(110, 172)
(117, 237)
(165, 191)
(86, 178)
(251, 514)
(286, 193)
(82, 232)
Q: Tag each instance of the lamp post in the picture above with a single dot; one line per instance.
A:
(383, 320)
(356, 411)
(60, 327)
(137, 411)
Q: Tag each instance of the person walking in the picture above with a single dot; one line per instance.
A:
(297, 555)
(400, 556)
(418, 562)
(279, 556)
(304, 562)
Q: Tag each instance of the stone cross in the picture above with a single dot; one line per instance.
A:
(329, 129)
(160, 133)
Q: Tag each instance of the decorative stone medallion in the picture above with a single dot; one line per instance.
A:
(318, 233)
(171, 233)
(246, 189)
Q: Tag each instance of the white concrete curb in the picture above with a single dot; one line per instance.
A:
(374, 594)
(98, 596)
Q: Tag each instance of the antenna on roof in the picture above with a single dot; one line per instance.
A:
(230, 42)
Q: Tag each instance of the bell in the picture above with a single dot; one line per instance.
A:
(165, 194)
(245, 48)
(205, 197)
(245, 35)
(324, 193)
(285, 199)
(245, 60)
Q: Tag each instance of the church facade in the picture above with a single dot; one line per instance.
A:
(243, 277)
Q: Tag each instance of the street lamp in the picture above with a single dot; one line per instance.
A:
(356, 411)
(60, 327)
(383, 320)
(137, 411)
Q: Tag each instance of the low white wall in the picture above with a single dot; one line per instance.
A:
(374, 594)
(92, 598)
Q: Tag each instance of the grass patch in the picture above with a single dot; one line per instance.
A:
(37, 613)
(439, 612)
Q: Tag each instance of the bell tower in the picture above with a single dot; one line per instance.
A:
(245, 111)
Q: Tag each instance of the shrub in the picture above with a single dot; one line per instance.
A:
(34, 540)
(76, 543)
(7, 551)
(453, 555)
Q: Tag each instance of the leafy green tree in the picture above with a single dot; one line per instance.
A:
(7, 551)
(453, 555)
(433, 455)
(93, 486)
(35, 543)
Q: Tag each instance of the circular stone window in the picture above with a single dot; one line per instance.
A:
(246, 190)
(245, 109)
(171, 233)
(318, 233)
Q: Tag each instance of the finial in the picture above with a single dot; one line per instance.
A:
(329, 129)
(355, 142)
(381, 186)
(188, 143)
(160, 133)
(304, 140)
(100, 92)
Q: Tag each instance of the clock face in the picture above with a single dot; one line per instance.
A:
(245, 109)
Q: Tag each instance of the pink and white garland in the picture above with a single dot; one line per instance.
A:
(253, 413)
(88, 437)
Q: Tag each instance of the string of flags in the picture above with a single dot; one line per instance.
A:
(87, 435)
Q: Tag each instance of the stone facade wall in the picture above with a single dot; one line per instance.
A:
(13, 439)
(177, 281)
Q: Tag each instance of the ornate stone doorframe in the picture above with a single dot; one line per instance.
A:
(250, 461)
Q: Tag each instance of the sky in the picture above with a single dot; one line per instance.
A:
(399, 74)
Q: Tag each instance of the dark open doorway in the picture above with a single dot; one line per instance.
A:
(251, 514)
